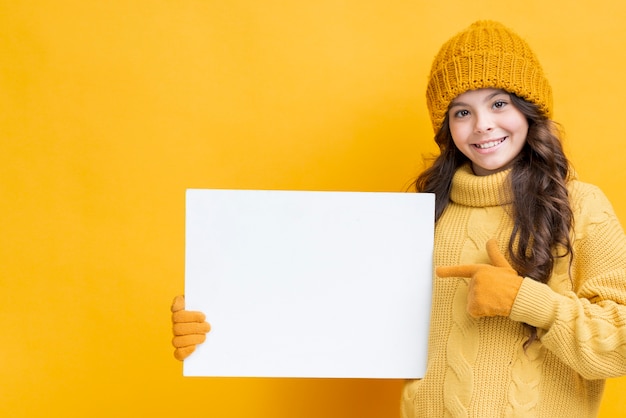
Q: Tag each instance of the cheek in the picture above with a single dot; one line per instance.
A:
(524, 128)
(458, 135)
(518, 124)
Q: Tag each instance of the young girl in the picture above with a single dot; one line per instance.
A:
(529, 296)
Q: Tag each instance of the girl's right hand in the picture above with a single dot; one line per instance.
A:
(189, 327)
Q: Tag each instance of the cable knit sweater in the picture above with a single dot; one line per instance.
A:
(477, 367)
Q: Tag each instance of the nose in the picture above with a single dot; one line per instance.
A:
(483, 122)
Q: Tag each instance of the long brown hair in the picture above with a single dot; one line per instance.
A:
(541, 210)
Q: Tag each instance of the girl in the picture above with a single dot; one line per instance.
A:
(537, 334)
(529, 295)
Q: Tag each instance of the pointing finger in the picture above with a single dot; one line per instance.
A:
(457, 271)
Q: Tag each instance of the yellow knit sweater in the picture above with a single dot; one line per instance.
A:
(477, 367)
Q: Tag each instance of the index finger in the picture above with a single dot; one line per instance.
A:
(467, 270)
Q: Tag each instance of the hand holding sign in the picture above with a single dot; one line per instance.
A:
(492, 287)
(189, 327)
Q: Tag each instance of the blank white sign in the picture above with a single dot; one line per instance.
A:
(310, 284)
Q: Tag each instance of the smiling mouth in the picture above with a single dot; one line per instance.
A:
(490, 144)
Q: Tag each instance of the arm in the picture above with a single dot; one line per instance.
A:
(585, 326)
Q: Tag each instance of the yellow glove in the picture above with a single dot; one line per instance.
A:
(492, 287)
(189, 327)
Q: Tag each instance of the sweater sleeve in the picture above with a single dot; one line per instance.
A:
(585, 327)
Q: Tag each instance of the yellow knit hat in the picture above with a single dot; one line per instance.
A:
(485, 55)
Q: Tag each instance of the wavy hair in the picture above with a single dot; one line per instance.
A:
(541, 210)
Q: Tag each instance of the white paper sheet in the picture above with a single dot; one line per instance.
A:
(310, 284)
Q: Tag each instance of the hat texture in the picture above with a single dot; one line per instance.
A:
(485, 55)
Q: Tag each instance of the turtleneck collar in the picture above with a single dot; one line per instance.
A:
(469, 189)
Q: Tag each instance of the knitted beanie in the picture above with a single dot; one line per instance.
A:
(485, 55)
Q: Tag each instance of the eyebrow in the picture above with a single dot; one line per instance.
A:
(491, 96)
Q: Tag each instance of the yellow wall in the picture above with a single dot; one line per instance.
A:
(109, 110)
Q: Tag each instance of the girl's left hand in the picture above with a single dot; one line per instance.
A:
(492, 287)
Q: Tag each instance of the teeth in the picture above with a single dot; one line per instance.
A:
(488, 144)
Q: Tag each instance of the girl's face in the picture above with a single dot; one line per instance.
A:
(488, 129)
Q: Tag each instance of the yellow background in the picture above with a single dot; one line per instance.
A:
(109, 110)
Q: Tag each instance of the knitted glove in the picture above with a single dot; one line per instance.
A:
(492, 287)
(189, 327)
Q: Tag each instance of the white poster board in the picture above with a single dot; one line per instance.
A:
(310, 284)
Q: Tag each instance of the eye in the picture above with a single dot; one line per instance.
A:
(499, 104)
(461, 113)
